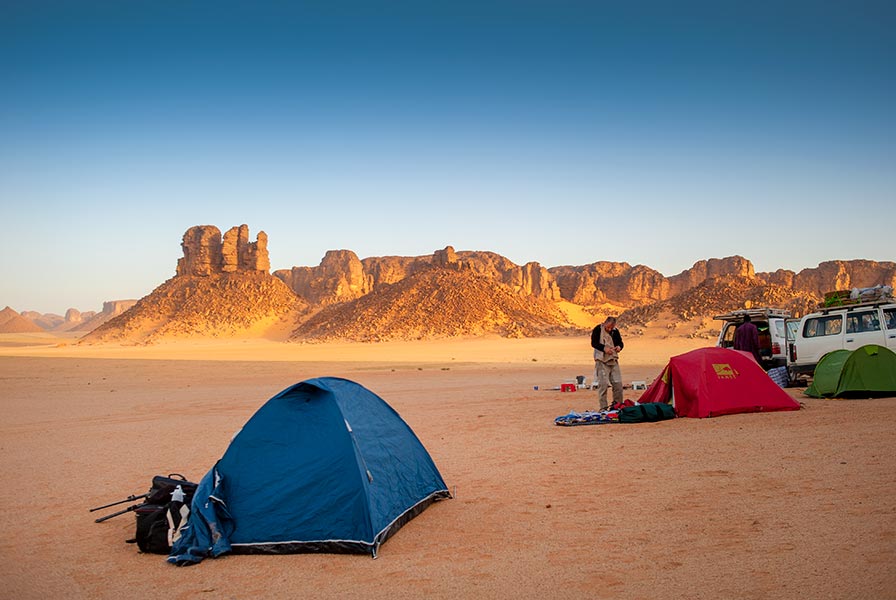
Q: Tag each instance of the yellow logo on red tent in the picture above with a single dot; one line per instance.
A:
(725, 371)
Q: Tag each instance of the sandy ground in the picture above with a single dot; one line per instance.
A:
(775, 505)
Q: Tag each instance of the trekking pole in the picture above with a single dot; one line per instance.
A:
(128, 499)
(121, 512)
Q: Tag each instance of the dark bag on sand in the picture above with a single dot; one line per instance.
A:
(160, 517)
(646, 413)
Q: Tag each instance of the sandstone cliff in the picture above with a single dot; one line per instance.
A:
(207, 253)
(435, 302)
(835, 275)
(620, 283)
(342, 277)
(222, 288)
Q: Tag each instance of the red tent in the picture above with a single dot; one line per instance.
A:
(709, 382)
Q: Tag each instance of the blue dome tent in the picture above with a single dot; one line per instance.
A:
(324, 466)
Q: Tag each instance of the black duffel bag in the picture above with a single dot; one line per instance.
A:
(649, 412)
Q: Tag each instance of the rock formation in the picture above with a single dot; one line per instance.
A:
(446, 258)
(222, 287)
(339, 278)
(90, 320)
(46, 321)
(73, 317)
(719, 295)
(207, 253)
(437, 302)
(12, 322)
(835, 275)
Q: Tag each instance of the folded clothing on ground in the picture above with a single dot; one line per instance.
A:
(589, 417)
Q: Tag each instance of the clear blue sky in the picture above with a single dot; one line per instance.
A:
(657, 133)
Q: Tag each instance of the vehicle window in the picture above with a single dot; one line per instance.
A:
(821, 326)
(728, 338)
(862, 321)
(792, 327)
(779, 328)
(890, 317)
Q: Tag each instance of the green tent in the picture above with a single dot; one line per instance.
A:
(827, 374)
(865, 372)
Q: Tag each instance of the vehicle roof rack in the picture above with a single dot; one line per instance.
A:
(753, 312)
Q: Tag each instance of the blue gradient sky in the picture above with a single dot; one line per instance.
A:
(657, 133)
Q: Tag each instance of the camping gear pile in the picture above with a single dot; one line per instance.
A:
(626, 412)
(161, 515)
(865, 372)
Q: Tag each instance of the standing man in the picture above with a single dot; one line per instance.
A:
(607, 343)
(746, 338)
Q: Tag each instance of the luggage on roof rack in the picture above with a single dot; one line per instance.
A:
(869, 296)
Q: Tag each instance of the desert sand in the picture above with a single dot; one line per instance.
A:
(775, 505)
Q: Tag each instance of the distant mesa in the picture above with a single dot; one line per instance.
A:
(89, 321)
(223, 288)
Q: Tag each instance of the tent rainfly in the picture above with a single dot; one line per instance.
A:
(710, 382)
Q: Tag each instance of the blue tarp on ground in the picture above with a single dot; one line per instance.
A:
(324, 466)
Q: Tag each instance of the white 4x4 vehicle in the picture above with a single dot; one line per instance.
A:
(772, 333)
(851, 326)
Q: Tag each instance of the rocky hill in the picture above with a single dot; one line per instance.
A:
(228, 305)
(436, 302)
(12, 322)
(222, 289)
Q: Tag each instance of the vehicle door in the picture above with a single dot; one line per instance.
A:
(778, 330)
(864, 327)
(791, 326)
(890, 326)
(818, 335)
